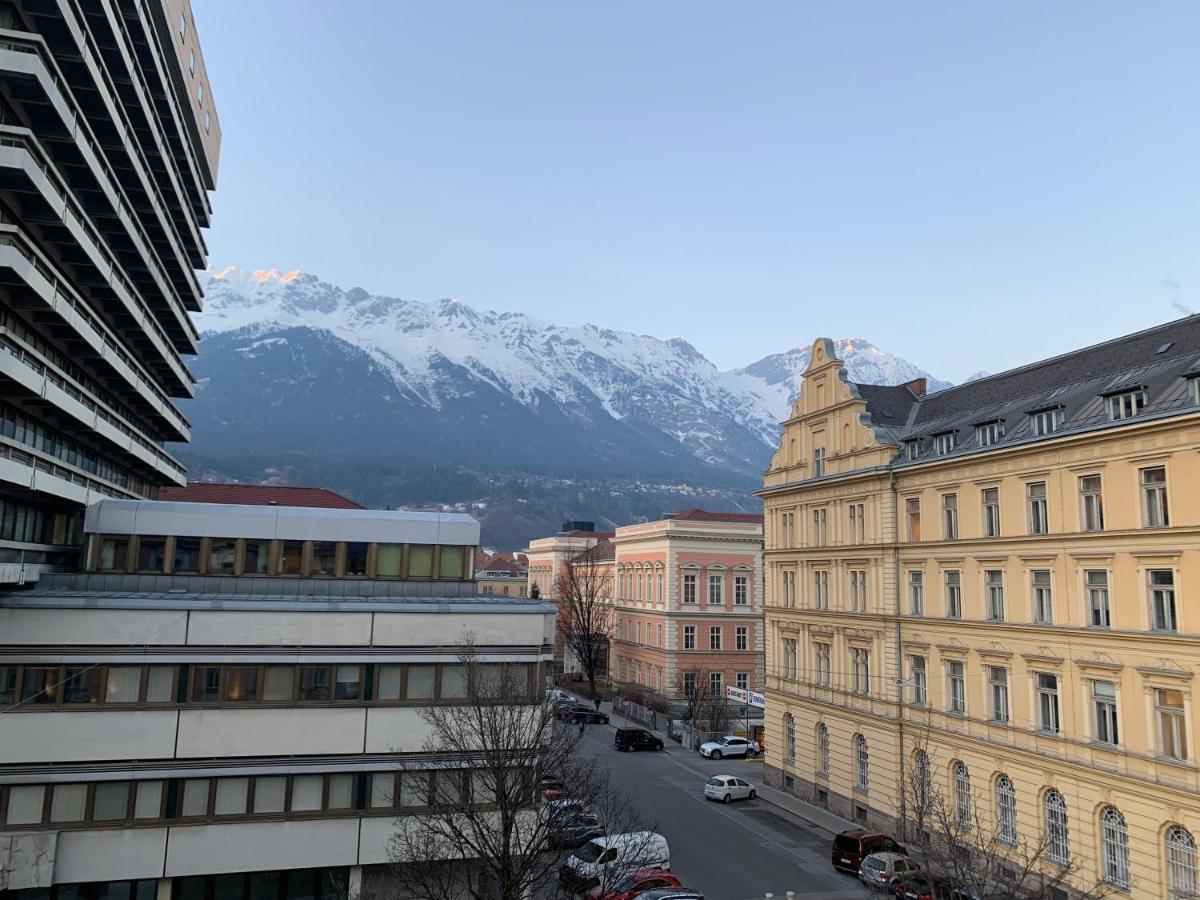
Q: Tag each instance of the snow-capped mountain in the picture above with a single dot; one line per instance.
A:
(775, 380)
(289, 362)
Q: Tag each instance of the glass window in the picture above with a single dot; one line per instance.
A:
(389, 679)
(152, 553)
(341, 792)
(1154, 497)
(454, 682)
(222, 556)
(1099, 615)
(25, 804)
(307, 791)
(269, 793)
(956, 675)
(689, 587)
(448, 784)
(988, 434)
(945, 443)
(68, 803)
(1172, 726)
(1092, 500)
(356, 558)
(414, 789)
(916, 593)
(206, 684)
(387, 560)
(241, 684)
(1115, 841)
(8, 685)
(420, 682)
(950, 516)
(1126, 405)
(39, 684)
(912, 508)
(1058, 842)
(124, 684)
(991, 512)
(347, 687)
(160, 684)
(920, 691)
(1182, 880)
(962, 796)
(1162, 600)
(452, 562)
(1043, 597)
(256, 560)
(148, 802)
(82, 684)
(383, 784)
(187, 555)
(1046, 421)
(822, 748)
(114, 553)
(715, 584)
(291, 557)
(1047, 690)
(863, 758)
(420, 561)
(231, 796)
(324, 558)
(1039, 522)
(277, 683)
(998, 682)
(953, 594)
(315, 683)
(1104, 705)
(1006, 810)
(195, 798)
(995, 590)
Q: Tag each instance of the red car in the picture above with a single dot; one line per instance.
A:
(631, 884)
(552, 788)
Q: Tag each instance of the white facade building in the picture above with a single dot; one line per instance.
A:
(177, 725)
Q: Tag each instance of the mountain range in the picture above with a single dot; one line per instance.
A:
(394, 400)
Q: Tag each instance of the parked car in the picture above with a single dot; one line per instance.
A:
(728, 787)
(979, 893)
(574, 830)
(581, 712)
(883, 870)
(914, 887)
(672, 894)
(630, 739)
(728, 746)
(554, 695)
(851, 847)
(635, 884)
(604, 858)
(552, 788)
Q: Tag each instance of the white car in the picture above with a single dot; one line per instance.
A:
(727, 746)
(728, 787)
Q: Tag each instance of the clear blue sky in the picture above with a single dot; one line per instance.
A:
(968, 185)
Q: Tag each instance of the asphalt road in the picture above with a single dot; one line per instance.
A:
(736, 851)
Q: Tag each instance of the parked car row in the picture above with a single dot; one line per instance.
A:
(624, 866)
(882, 863)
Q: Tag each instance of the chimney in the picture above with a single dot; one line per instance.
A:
(917, 386)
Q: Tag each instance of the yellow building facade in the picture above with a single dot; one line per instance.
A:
(998, 578)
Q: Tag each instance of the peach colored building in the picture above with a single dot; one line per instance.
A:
(688, 602)
(548, 557)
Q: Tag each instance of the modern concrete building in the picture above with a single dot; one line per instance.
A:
(227, 704)
(688, 603)
(108, 151)
(988, 587)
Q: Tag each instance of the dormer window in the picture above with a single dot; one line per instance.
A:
(1126, 404)
(1194, 388)
(988, 433)
(912, 448)
(945, 442)
(1046, 421)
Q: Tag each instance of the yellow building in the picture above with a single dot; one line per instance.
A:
(994, 581)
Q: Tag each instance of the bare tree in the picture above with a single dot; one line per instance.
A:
(964, 852)
(707, 710)
(514, 793)
(584, 596)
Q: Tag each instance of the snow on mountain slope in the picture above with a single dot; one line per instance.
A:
(460, 364)
(775, 380)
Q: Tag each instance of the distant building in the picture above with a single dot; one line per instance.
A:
(501, 574)
(688, 607)
(226, 704)
(111, 145)
(257, 495)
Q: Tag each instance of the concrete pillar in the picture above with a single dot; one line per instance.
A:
(353, 885)
(164, 889)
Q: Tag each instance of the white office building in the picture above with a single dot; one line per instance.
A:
(226, 704)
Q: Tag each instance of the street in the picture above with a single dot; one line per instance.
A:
(737, 851)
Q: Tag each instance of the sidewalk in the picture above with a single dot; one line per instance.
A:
(810, 813)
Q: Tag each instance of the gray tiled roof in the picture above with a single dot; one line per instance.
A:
(1158, 359)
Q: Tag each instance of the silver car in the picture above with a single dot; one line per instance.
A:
(882, 870)
(728, 746)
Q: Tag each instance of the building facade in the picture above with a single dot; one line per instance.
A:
(988, 586)
(108, 151)
(181, 723)
(688, 605)
(501, 574)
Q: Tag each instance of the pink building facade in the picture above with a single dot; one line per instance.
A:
(688, 603)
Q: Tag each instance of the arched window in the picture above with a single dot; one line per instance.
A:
(1182, 882)
(962, 796)
(1114, 837)
(864, 762)
(1006, 811)
(1058, 838)
(822, 749)
(789, 734)
(922, 785)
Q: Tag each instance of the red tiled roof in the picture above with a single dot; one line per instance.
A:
(702, 515)
(499, 564)
(601, 535)
(257, 495)
(603, 550)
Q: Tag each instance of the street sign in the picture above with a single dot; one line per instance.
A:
(750, 698)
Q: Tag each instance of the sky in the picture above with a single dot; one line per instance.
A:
(971, 186)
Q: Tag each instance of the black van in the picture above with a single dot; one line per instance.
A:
(631, 739)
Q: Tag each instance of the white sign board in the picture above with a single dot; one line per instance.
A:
(750, 698)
